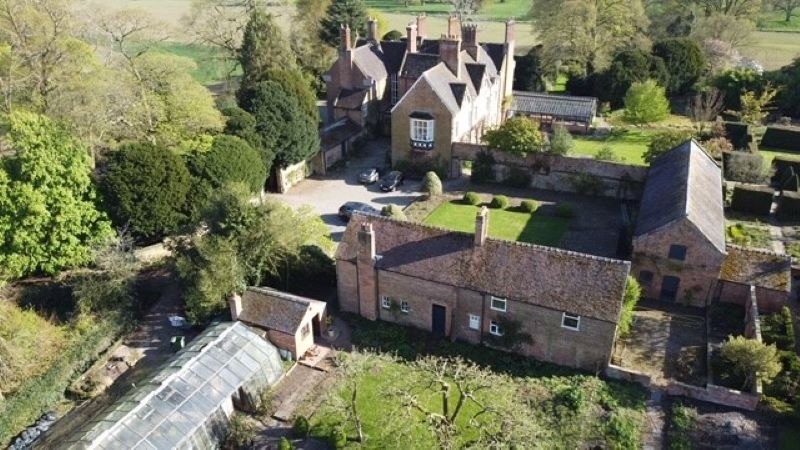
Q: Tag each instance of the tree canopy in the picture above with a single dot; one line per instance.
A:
(664, 141)
(517, 135)
(645, 102)
(529, 72)
(146, 189)
(48, 215)
(352, 13)
(230, 160)
(684, 62)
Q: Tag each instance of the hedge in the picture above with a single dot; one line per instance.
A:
(739, 134)
(789, 205)
(782, 138)
(499, 202)
(752, 199)
(783, 169)
(43, 393)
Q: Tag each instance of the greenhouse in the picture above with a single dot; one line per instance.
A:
(188, 402)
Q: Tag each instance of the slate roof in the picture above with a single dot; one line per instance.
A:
(417, 63)
(565, 107)
(392, 53)
(496, 52)
(274, 310)
(553, 278)
(350, 98)
(758, 268)
(169, 409)
(338, 132)
(684, 183)
(369, 63)
(475, 72)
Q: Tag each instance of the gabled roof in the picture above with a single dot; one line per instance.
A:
(564, 107)
(392, 53)
(496, 52)
(417, 63)
(553, 278)
(274, 310)
(166, 410)
(757, 268)
(684, 183)
(369, 63)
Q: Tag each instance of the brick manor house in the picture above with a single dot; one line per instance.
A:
(428, 93)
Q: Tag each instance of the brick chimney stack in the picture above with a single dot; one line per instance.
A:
(469, 34)
(345, 58)
(510, 30)
(450, 46)
(481, 226)
(372, 29)
(344, 36)
(453, 26)
(235, 303)
(422, 25)
(365, 273)
(411, 38)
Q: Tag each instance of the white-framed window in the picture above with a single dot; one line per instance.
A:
(404, 307)
(394, 88)
(474, 322)
(422, 130)
(498, 304)
(386, 302)
(495, 328)
(570, 321)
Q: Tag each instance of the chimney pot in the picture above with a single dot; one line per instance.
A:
(481, 226)
(422, 28)
(372, 29)
(366, 242)
(510, 30)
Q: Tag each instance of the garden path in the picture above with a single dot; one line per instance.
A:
(654, 434)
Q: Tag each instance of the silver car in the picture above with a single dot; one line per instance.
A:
(370, 175)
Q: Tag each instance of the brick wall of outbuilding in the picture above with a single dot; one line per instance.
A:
(347, 286)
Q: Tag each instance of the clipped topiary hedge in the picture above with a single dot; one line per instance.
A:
(529, 206)
(789, 205)
(499, 202)
(782, 138)
(471, 198)
(752, 199)
(783, 170)
(739, 134)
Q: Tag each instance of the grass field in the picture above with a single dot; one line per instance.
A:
(504, 224)
(775, 21)
(210, 67)
(629, 146)
(490, 9)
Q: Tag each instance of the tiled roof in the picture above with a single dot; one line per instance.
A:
(684, 182)
(369, 63)
(338, 132)
(557, 279)
(758, 268)
(565, 107)
(273, 310)
(440, 79)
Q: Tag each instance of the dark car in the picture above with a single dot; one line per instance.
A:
(347, 210)
(370, 175)
(391, 181)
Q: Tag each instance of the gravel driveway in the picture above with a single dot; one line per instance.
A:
(326, 194)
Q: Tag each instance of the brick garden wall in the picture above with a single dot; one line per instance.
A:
(769, 300)
(557, 173)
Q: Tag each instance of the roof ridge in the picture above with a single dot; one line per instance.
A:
(280, 294)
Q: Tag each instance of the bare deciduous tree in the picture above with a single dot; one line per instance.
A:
(706, 106)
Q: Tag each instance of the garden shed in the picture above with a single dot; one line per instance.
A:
(576, 113)
(188, 402)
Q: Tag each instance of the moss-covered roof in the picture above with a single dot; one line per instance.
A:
(757, 267)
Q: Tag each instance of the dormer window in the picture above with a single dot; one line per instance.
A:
(422, 130)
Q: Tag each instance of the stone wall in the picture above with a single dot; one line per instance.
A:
(629, 375)
(291, 175)
(716, 394)
(698, 273)
(559, 173)
(347, 286)
(769, 300)
(752, 323)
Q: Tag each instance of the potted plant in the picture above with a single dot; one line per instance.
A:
(329, 322)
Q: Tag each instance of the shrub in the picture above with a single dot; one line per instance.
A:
(633, 292)
(782, 138)
(664, 141)
(778, 329)
(483, 168)
(561, 142)
(431, 184)
(529, 206)
(750, 357)
(565, 211)
(743, 167)
(499, 202)
(684, 62)
(285, 444)
(645, 102)
(471, 198)
(606, 153)
(518, 178)
(738, 133)
(752, 199)
(393, 35)
(394, 212)
(518, 136)
(717, 146)
(241, 432)
(300, 427)
(416, 170)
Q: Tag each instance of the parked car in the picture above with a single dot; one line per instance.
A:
(370, 175)
(347, 210)
(391, 181)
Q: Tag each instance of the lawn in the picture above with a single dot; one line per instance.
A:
(210, 68)
(494, 10)
(629, 146)
(558, 405)
(775, 21)
(535, 228)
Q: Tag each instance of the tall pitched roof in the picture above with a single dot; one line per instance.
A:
(273, 309)
(684, 183)
(369, 63)
(553, 278)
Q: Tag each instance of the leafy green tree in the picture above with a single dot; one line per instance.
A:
(313, 55)
(394, 212)
(48, 217)
(392, 35)
(754, 106)
(264, 48)
(241, 123)
(529, 72)
(664, 141)
(431, 184)
(735, 82)
(283, 124)
(630, 66)
(231, 160)
(146, 190)
(752, 359)
(561, 141)
(351, 13)
(645, 102)
(517, 135)
(684, 61)
(787, 80)
(631, 297)
(787, 7)
(296, 84)
(584, 35)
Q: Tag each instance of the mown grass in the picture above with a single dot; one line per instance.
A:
(506, 224)
(211, 67)
(776, 21)
(748, 234)
(629, 146)
(490, 9)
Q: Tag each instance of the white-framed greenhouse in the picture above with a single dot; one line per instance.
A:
(188, 402)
